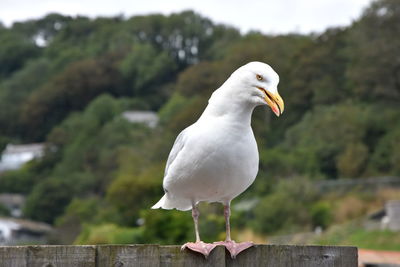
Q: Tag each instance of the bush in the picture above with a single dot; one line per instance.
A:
(287, 208)
(4, 211)
(167, 226)
(109, 234)
(18, 181)
(132, 191)
(349, 207)
(353, 160)
(321, 214)
(48, 200)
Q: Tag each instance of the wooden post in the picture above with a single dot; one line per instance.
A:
(172, 256)
(48, 256)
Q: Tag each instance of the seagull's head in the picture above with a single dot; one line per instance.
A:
(257, 83)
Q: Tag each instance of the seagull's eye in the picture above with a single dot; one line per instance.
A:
(259, 77)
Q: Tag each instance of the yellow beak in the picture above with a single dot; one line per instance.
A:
(275, 101)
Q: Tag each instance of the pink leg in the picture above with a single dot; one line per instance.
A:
(227, 215)
(233, 247)
(198, 246)
(195, 215)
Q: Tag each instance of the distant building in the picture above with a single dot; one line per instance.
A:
(148, 118)
(393, 214)
(17, 231)
(14, 203)
(14, 156)
(386, 218)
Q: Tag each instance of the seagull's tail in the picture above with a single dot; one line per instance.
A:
(160, 203)
(167, 203)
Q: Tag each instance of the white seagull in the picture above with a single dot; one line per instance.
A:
(216, 158)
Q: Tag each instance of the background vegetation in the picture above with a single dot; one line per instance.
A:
(66, 80)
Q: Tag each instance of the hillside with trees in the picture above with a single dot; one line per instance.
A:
(65, 81)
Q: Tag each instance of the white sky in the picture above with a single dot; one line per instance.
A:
(268, 16)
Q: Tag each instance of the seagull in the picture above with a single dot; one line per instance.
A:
(216, 158)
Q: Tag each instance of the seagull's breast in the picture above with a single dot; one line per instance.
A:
(218, 162)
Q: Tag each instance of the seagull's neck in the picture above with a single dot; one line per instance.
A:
(227, 105)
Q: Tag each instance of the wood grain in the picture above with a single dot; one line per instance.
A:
(172, 256)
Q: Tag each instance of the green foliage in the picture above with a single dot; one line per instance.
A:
(108, 234)
(80, 210)
(321, 214)
(3, 142)
(48, 199)
(76, 214)
(212, 224)
(15, 50)
(80, 150)
(174, 105)
(16, 89)
(145, 68)
(25, 178)
(133, 188)
(80, 155)
(386, 157)
(340, 138)
(373, 45)
(167, 227)
(201, 79)
(189, 111)
(286, 208)
(71, 90)
(351, 162)
(4, 211)
(381, 240)
(352, 234)
(17, 181)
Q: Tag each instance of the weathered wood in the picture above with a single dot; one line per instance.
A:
(61, 256)
(48, 256)
(13, 256)
(168, 256)
(128, 256)
(171, 256)
(295, 256)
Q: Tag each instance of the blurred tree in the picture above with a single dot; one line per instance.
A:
(15, 50)
(48, 200)
(321, 214)
(286, 208)
(18, 181)
(109, 234)
(88, 164)
(71, 90)
(135, 187)
(167, 227)
(145, 69)
(186, 36)
(15, 90)
(322, 68)
(3, 142)
(78, 212)
(352, 161)
(386, 156)
(4, 211)
(43, 30)
(201, 79)
(325, 133)
(375, 59)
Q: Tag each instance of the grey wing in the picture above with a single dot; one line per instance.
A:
(176, 148)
